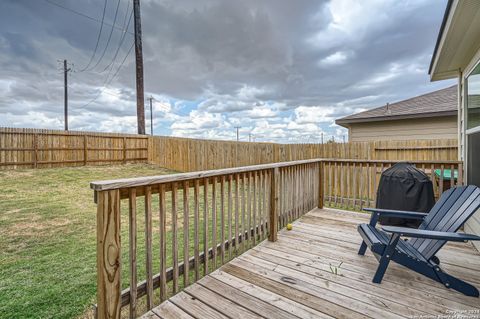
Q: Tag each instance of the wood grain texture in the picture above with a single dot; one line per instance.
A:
(132, 214)
(163, 243)
(148, 246)
(186, 230)
(108, 254)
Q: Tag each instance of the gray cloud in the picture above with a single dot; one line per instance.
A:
(258, 63)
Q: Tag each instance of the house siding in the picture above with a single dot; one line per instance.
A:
(411, 129)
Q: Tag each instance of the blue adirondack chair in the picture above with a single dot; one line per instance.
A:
(438, 227)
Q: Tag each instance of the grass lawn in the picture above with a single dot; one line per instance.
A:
(47, 241)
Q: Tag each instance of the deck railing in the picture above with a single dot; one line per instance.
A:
(352, 184)
(192, 223)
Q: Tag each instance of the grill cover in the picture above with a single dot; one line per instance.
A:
(404, 187)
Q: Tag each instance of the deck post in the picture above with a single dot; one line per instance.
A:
(320, 185)
(108, 254)
(274, 193)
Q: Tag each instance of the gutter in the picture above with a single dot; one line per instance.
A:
(440, 35)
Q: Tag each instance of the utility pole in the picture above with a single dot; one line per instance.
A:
(322, 137)
(66, 69)
(139, 68)
(238, 136)
(249, 137)
(151, 115)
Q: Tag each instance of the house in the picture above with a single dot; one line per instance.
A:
(429, 116)
(457, 55)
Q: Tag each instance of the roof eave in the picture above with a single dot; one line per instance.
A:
(343, 122)
(439, 37)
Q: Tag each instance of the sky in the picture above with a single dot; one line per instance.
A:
(281, 70)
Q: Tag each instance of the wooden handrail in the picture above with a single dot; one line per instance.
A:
(160, 179)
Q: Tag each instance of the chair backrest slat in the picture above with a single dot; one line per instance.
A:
(448, 215)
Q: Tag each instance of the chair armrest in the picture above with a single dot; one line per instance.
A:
(431, 234)
(396, 213)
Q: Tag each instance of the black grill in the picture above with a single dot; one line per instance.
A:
(404, 187)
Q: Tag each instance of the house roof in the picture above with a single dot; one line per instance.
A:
(438, 103)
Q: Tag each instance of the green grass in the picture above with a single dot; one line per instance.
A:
(47, 241)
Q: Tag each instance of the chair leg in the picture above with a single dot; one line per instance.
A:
(382, 267)
(385, 259)
(363, 248)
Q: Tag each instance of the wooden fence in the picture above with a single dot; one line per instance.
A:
(33, 148)
(187, 155)
(36, 148)
(225, 212)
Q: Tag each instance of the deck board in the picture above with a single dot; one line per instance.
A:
(295, 278)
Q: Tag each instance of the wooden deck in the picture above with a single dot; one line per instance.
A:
(313, 271)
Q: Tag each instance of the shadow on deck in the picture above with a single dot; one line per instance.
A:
(313, 271)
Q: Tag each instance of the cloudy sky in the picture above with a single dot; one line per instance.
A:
(282, 70)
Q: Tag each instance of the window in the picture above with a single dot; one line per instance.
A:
(473, 127)
(473, 98)
(473, 159)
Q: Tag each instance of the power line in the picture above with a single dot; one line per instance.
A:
(98, 37)
(107, 82)
(83, 15)
(109, 36)
(121, 40)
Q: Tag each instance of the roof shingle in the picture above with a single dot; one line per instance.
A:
(438, 103)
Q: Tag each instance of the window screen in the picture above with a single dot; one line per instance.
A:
(473, 162)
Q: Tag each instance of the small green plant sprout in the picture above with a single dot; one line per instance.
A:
(335, 269)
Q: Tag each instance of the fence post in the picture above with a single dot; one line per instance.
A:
(108, 254)
(320, 185)
(124, 150)
(85, 150)
(274, 192)
(35, 155)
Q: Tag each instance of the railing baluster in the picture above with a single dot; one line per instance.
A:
(273, 214)
(341, 177)
(186, 230)
(230, 206)
(148, 246)
(174, 238)
(264, 203)
(330, 184)
(282, 198)
(249, 209)
(205, 226)
(163, 243)
(375, 184)
(132, 228)
(320, 185)
(196, 225)
(214, 223)
(242, 228)
(255, 224)
(440, 183)
(452, 176)
(237, 204)
(222, 219)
